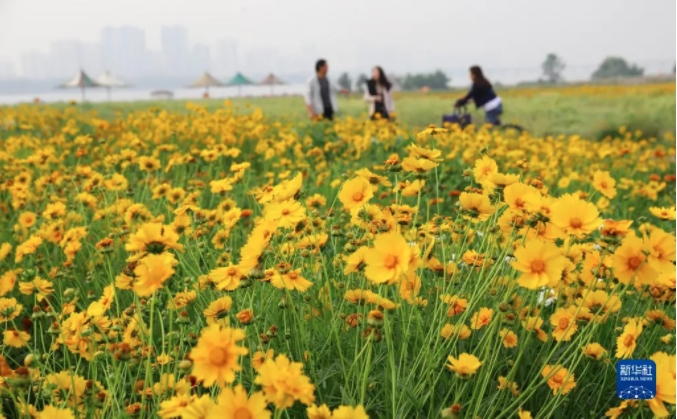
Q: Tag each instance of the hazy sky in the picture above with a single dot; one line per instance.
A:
(445, 33)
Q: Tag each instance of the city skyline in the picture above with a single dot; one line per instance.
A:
(41, 39)
(123, 51)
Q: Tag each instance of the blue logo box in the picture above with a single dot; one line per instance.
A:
(636, 379)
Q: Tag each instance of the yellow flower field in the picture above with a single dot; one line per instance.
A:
(218, 265)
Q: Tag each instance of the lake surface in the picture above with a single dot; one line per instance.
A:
(134, 94)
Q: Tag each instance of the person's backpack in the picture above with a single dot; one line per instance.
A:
(460, 117)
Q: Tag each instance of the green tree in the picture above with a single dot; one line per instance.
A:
(360, 83)
(552, 68)
(345, 82)
(616, 67)
(434, 81)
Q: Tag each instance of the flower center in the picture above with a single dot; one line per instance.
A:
(358, 196)
(293, 275)
(576, 222)
(563, 324)
(537, 266)
(285, 212)
(519, 203)
(604, 185)
(634, 262)
(218, 357)
(232, 271)
(629, 340)
(242, 413)
(391, 261)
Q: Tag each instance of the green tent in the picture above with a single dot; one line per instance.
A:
(239, 80)
(82, 81)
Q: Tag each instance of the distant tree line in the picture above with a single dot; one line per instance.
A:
(437, 80)
(552, 70)
(610, 68)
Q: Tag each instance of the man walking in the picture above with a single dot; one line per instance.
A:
(320, 97)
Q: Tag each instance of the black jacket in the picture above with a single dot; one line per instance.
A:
(479, 94)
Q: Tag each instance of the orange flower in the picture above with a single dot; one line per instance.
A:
(559, 379)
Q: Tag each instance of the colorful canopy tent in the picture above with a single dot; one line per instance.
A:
(239, 80)
(272, 80)
(82, 81)
(206, 81)
(108, 81)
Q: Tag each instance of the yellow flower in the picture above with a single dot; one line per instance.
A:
(318, 412)
(283, 382)
(524, 414)
(594, 350)
(509, 338)
(477, 206)
(559, 379)
(198, 408)
(481, 318)
(151, 273)
(27, 219)
(564, 323)
(348, 412)
(630, 262)
(286, 213)
(174, 407)
(355, 193)
(388, 259)
(153, 238)
(465, 366)
(291, 280)
(627, 341)
(663, 213)
(51, 412)
(665, 383)
(449, 330)
(541, 263)
(9, 309)
(260, 357)
(26, 248)
(227, 278)
(574, 216)
(412, 164)
(215, 357)
(505, 384)
(604, 183)
(218, 310)
(234, 404)
(15, 338)
(149, 163)
(484, 168)
(662, 248)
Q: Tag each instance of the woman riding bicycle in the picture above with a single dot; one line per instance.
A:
(482, 93)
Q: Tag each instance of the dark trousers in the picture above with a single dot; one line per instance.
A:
(328, 113)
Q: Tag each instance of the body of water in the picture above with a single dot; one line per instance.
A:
(138, 94)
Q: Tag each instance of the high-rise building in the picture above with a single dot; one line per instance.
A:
(225, 62)
(35, 65)
(65, 58)
(175, 50)
(199, 60)
(123, 51)
(6, 69)
(260, 60)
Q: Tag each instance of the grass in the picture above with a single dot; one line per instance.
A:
(547, 111)
(139, 251)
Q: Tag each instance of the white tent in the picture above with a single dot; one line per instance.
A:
(82, 81)
(108, 81)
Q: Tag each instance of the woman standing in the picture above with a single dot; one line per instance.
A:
(482, 93)
(378, 94)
